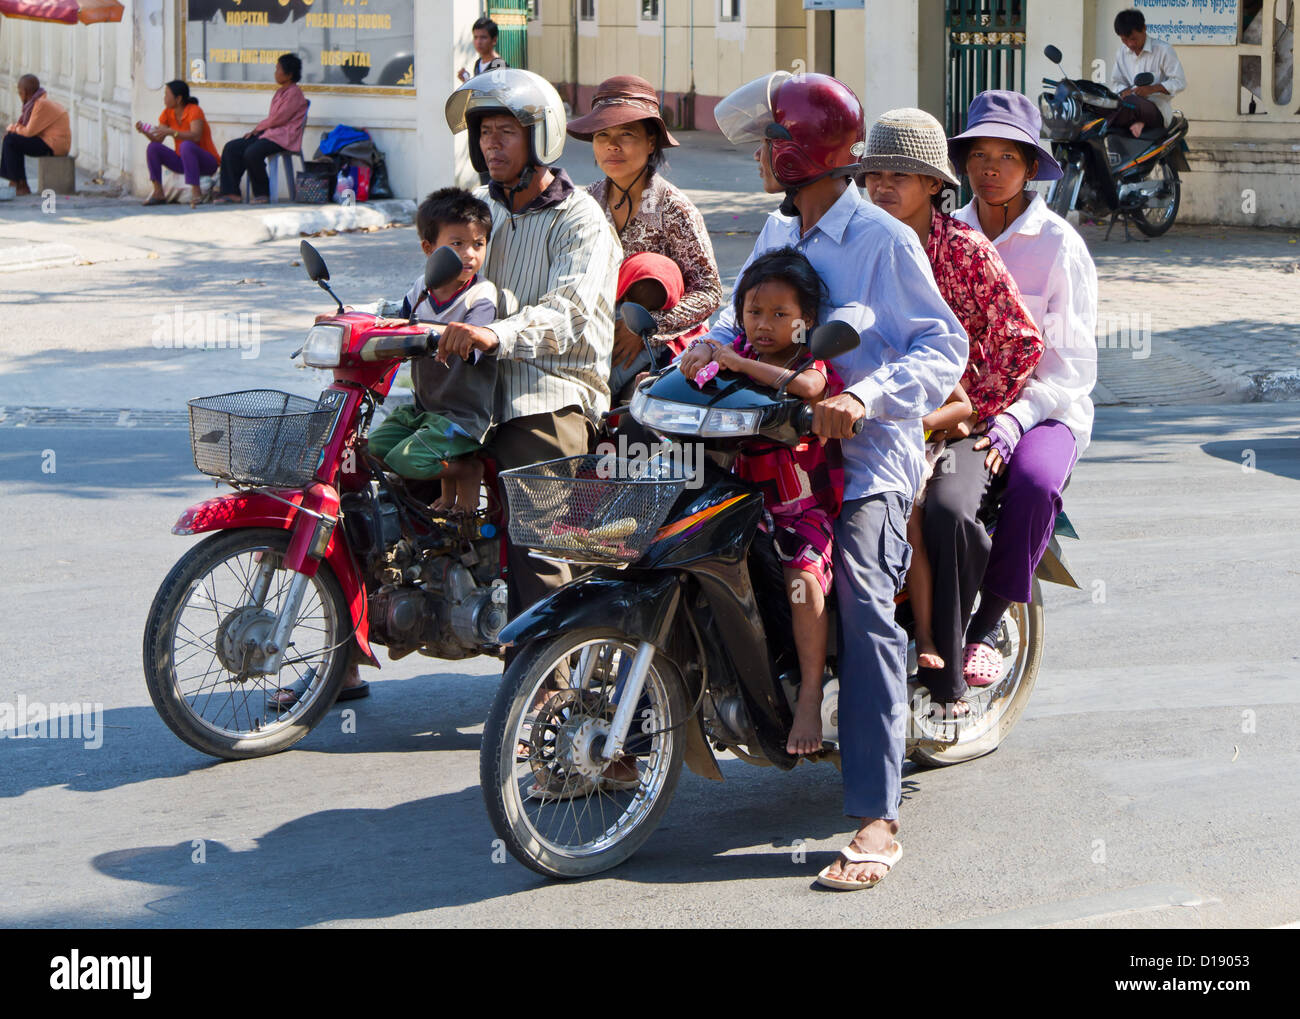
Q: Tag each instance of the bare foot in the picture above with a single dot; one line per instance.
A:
(806, 733)
(927, 655)
(949, 712)
(21, 189)
(447, 499)
(875, 836)
(1135, 129)
(352, 678)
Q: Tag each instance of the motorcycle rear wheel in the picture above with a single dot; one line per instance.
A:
(1063, 189)
(1154, 221)
(203, 608)
(996, 709)
(573, 824)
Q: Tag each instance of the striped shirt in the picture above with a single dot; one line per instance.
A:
(556, 267)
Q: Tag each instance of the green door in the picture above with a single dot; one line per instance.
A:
(511, 17)
(986, 49)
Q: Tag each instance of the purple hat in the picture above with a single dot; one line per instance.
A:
(1002, 114)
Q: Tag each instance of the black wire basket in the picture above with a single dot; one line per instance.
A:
(591, 508)
(259, 437)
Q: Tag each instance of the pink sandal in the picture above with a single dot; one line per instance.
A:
(981, 665)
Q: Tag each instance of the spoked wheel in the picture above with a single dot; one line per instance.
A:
(219, 601)
(1160, 212)
(559, 808)
(994, 709)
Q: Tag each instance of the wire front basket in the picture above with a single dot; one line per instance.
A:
(259, 437)
(591, 508)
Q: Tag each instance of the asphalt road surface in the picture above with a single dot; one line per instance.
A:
(1151, 782)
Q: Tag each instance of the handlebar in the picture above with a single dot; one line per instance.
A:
(803, 421)
(400, 346)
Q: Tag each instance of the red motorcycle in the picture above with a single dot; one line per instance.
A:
(319, 554)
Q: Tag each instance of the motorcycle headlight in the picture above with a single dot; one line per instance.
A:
(324, 346)
(731, 422)
(665, 416)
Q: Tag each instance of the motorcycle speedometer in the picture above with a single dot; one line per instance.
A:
(324, 346)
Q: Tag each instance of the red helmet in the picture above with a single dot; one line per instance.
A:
(813, 121)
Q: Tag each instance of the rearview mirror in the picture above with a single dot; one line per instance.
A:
(831, 340)
(443, 266)
(1145, 78)
(1052, 54)
(638, 319)
(313, 263)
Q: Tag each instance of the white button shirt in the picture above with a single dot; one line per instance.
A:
(1159, 58)
(1058, 281)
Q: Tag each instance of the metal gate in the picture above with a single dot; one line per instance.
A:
(511, 17)
(985, 49)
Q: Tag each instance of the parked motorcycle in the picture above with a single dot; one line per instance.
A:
(318, 555)
(678, 642)
(1111, 174)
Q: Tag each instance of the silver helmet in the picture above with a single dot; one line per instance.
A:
(528, 97)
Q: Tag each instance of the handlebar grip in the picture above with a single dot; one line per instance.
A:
(803, 421)
(386, 348)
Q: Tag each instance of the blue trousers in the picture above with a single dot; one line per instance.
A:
(871, 560)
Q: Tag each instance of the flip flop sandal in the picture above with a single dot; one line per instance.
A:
(287, 696)
(853, 856)
(618, 785)
(981, 665)
(353, 693)
(152, 200)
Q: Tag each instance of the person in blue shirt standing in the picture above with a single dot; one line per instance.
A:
(912, 353)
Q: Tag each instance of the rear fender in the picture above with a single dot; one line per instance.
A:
(278, 508)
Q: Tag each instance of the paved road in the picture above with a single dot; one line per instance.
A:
(1129, 784)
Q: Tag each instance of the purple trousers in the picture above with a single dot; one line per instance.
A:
(1036, 476)
(193, 160)
(963, 559)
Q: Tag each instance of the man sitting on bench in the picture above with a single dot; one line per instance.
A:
(42, 129)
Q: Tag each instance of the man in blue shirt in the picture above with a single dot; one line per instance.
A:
(911, 356)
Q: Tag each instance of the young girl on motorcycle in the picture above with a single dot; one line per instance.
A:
(776, 301)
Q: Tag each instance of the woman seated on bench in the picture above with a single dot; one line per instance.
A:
(280, 131)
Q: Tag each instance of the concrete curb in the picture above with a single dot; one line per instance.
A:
(36, 256)
(279, 225)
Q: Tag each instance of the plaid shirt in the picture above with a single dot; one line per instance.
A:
(796, 479)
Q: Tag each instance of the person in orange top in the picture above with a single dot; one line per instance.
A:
(181, 120)
(42, 129)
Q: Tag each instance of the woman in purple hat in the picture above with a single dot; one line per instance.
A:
(629, 136)
(1032, 446)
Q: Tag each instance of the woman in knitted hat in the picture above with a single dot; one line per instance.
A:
(907, 173)
(1031, 446)
(628, 135)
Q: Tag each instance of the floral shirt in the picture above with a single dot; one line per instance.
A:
(796, 479)
(1005, 344)
(668, 223)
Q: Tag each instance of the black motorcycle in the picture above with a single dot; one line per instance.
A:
(677, 643)
(1111, 174)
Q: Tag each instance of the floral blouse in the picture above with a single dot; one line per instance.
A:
(1005, 344)
(668, 223)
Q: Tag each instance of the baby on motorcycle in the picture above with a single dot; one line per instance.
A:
(443, 434)
(777, 298)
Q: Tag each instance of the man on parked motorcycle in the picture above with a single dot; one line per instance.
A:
(554, 257)
(912, 353)
(1144, 105)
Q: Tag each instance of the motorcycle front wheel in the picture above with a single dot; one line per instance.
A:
(1159, 214)
(559, 809)
(994, 709)
(225, 592)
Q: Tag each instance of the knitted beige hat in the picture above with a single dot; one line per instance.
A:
(909, 141)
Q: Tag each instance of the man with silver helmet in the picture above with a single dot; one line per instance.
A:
(554, 257)
(810, 132)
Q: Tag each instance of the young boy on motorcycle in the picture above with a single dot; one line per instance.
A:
(442, 435)
(777, 299)
(912, 353)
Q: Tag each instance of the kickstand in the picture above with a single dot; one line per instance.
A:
(1118, 214)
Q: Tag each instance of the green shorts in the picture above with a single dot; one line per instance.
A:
(419, 445)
